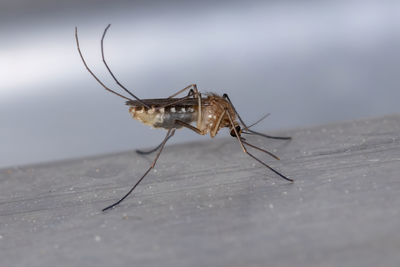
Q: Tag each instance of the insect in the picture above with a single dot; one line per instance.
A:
(208, 112)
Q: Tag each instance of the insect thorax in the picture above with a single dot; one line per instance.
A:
(214, 115)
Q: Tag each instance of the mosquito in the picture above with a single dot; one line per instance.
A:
(208, 112)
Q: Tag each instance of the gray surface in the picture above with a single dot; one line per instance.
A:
(207, 203)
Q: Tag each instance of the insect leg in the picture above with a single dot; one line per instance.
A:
(246, 128)
(179, 100)
(216, 127)
(187, 125)
(191, 87)
(251, 155)
(170, 133)
(192, 92)
(91, 72)
(196, 94)
(142, 152)
(199, 110)
(259, 148)
(112, 74)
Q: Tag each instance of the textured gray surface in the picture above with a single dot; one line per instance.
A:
(207, 203)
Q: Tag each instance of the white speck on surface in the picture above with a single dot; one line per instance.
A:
(1, 237)
(210, 205)
(271, 206)
(97, 238)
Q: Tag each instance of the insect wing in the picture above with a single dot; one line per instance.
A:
(166, 102)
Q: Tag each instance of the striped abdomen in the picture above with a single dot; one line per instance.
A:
(164, 117)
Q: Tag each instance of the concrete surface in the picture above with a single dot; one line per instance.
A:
(207, 203)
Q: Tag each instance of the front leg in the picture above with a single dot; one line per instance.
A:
(246, 128)
(241, 142)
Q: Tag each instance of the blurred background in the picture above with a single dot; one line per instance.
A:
(305, 62)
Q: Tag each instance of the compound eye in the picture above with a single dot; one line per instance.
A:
(233, 134)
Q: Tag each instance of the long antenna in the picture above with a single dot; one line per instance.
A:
(112, 74)
(91, 72)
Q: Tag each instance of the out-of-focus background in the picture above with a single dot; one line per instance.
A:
(305, 62)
